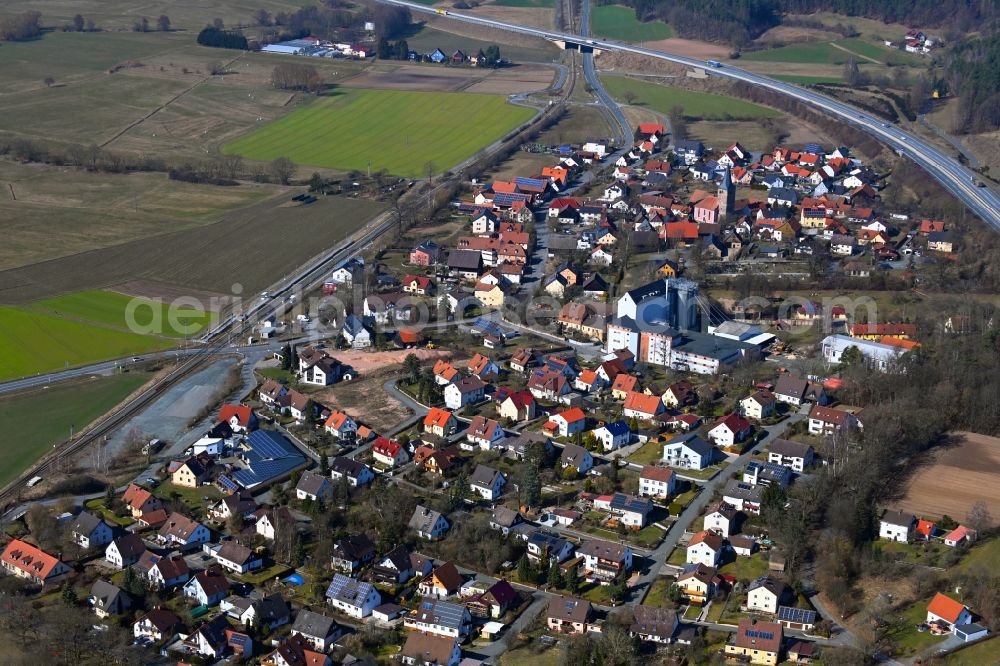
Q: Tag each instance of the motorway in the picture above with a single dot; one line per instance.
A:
(958, 179)
(590, 73)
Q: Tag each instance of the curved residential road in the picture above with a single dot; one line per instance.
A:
(958, 179)
(624, 129)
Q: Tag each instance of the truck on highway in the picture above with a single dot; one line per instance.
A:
(977, 182)
(442, 12)
(714, 63)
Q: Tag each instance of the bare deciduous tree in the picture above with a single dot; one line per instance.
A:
(282, 170)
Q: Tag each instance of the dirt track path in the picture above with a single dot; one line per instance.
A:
(856, 55)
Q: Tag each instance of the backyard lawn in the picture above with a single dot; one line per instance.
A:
(911, 641)
(649, 453)
(746, 568)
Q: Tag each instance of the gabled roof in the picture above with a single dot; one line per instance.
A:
(734, 422)
(655, 473)
(484, 476)
(945, 607)
(605, 550)
(649, 621)
(710, 539)
(437, 418)
(572, 415)
(640, 402)
(243, 414)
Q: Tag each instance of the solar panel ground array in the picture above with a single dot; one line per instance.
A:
(399, 131)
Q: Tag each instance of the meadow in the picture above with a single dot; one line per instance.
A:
(111, 309)
(619, 23)
(35, 342)
(695, 104)
(835, 53)
(544, 4)
(399, 131)
(35, 421)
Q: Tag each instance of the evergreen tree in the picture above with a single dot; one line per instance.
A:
(324, 465)
(531, 487)
(402, 50)
(411, 367)
(384, 50)
(572, 582)
(525, 574)
(69, 595)
(555, 577)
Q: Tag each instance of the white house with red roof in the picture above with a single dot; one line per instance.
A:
(959, 535)
(341, 426)
(944, 609)
(567, 422)
(389, 452)
(241, 418)
(659, 482)
(483, 433)
(729, 430)
(517, 406)
(642, 406)
(26, 561)
(705, 548)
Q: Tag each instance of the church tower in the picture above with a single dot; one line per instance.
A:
(726, 195)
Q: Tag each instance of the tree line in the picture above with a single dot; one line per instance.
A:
(333, 21)
(20, 27)
(738, 22)
(972, 71)
(222, 38)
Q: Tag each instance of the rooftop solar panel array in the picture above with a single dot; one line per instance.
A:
(508, 198)
(796, 615)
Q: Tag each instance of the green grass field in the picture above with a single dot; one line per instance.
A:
(542, 4)
(35, 342)
(880, 52)
(35, 421)
(111, 308)
(810, 53)
(617, 22)
(695, 104)
(806, 80)
(398, 131)
(977, 655)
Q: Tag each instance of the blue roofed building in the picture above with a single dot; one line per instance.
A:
(268, 456)
(351, 596)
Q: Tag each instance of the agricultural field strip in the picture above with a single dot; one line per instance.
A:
(345, 133)
(108, 308)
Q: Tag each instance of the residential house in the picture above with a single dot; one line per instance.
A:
(182, 532)
(946, 611)
(296, 651)
(548, 547)
(603, 561)
(766, 473)
(642, 406)
(162, 572)
(680, 394)
(441, 583)
(124, 551)
(744, 496)
(698, 583)
(721, 518)
(140, 501)
(208, 587)
(193, 472)
(389, 452)
(757, 641)
(483, 433)
(317, 630)
(630, 510)
(440, 422)
(829, 420)
(547, 384)
(729, 430)
(427, 523)
(958, 536)
(800, 619)
(658, 482)
(240, 418)
(569, 616)
(395, 567)
(567, 422)
(426, 253)
(352, 597)
(487, 482)
(797, 456)
(518, 406)
(483, 367)
(357, 473)
(352, 552)
(656, 625)
(420, 285)
(705, 548)
(237, 558)
(156, 625)
(356, 333)
(430, 650)
(688, 451)
(792, 390)
(523, 360)
(494, 602)
(90, 531)
(209, 639)
(440, 618)
(896, 526)
(576, 457)
(765, 594)
(313, 486)
(107, 599)
(613, 435)
(504, 519)
(341, 426)
(464, 391)
(759, 405)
